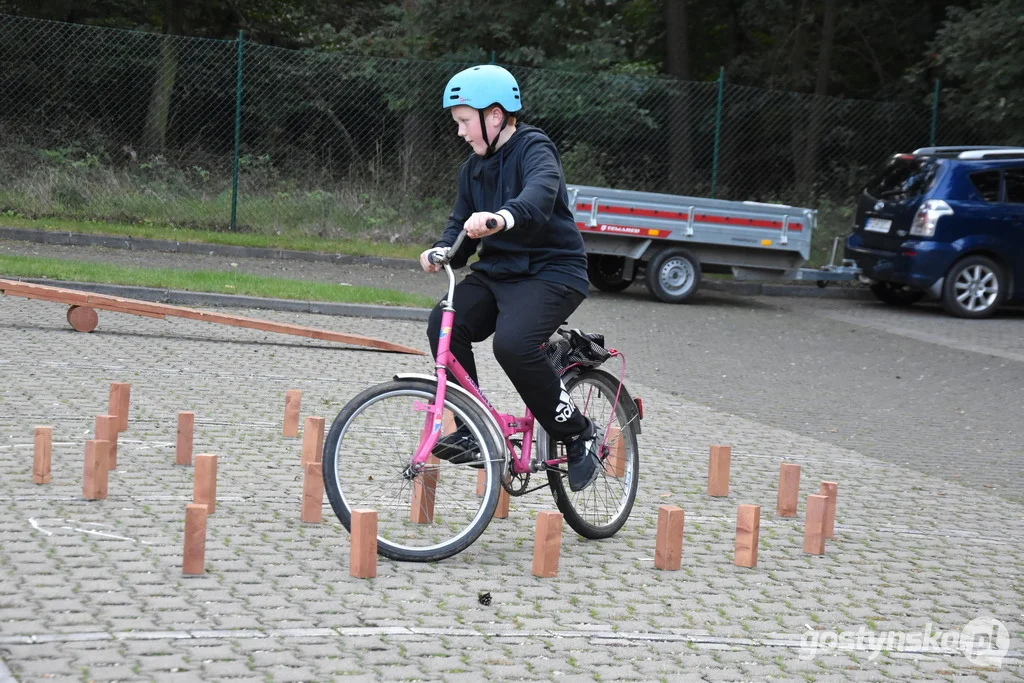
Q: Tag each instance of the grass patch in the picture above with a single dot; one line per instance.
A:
(236, 239)
(205, 281)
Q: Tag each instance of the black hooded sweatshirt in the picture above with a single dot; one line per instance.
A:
(524, 177)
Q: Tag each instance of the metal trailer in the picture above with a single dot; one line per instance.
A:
(672, 239)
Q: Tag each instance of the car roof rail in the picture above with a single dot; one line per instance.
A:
(1002, 153)
(956, 149)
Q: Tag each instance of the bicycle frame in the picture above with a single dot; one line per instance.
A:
(445, 363)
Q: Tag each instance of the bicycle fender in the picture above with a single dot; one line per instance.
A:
(624, 397)
(430, 379)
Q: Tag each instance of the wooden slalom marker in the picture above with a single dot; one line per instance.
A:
(106, 430)
(292, 403)
(748, 531)
(313, 493)
(194, 556)
(204, 482)
(183, 446)
(42, 455)
(789, 490)
(814, 525)
(95, 476)
(363, 553)
(668, 544)
(120, 398)
(830, 489)
(547, 544)
(718, 471)
(313, 440)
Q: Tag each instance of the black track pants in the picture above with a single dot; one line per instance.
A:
(521, 316)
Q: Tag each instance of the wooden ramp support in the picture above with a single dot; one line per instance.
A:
(547, 544)
(789, 490)
(748, 532)
(718, 471)
(42, 455)
(86, 300)
(668, 544)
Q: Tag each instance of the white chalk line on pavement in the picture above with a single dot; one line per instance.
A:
(598, 635)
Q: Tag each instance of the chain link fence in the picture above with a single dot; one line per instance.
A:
(108, 124)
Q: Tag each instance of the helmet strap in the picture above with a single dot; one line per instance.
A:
(483, 131)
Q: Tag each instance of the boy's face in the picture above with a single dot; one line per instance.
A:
(468, 121)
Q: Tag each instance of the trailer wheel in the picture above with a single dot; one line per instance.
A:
(673, 276)
(606, 272)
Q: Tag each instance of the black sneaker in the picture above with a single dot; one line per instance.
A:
(458, 448)
(584, 463)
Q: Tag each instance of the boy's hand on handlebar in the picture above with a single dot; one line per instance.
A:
(425, 259)
(476, 225)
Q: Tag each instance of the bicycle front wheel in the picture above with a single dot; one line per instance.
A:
(601, 509)
(424, 516)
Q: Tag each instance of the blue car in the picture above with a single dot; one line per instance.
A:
(947, 223)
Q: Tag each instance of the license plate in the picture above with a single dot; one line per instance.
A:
(878, 225)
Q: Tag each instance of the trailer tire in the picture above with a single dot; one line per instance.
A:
(606, 272)
(673, 275)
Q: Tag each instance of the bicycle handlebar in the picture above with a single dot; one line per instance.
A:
(438, 259)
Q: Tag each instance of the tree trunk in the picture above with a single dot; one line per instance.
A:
(679, 124)
(798, 127)
(154, 135)
(807, 169)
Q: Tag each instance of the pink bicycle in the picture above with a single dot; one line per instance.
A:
(377, 454)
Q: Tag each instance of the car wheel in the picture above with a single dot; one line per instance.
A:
(974, 287)
(673, 275)
(606, 272)
(896, 295)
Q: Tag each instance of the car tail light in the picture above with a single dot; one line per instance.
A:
(927, 216)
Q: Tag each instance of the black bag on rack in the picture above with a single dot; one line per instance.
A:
(572, 347)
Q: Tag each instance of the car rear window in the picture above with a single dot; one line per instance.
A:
(1014, 178)
(903, 177)
(986, 183)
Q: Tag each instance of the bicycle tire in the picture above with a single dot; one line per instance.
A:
(369, 471)
(599, 510)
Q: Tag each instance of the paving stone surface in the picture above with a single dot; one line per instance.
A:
(93, 590)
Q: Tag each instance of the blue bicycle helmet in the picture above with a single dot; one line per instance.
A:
(481, 86)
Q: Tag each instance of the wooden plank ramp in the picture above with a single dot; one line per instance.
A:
(151, 310)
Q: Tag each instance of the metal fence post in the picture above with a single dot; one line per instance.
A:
(718, 131)
(935, 113)
(238, 130)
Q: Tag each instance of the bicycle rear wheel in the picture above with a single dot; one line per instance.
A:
(601, 509)
(421, 517)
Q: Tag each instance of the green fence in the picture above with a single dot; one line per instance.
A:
(118, 125)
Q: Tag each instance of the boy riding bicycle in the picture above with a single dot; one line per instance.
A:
(532, 268)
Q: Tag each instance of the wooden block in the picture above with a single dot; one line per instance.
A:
(814, 525)
(313, 493)
(292, 403)
(363, 554)
(668, 544)
(501, 512)
(204, 482)
(547, 544)
(424, 490)
(106, 430)
(789, 490)
(748, 531)
(120, 395)
(94, 479)
(718, 471)
(194, 561)
(83, 318)
(829, 489)
(183, 446)
(448, 423)
(42, 456)
(481, 482)
(313, 440)
(615, 464)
